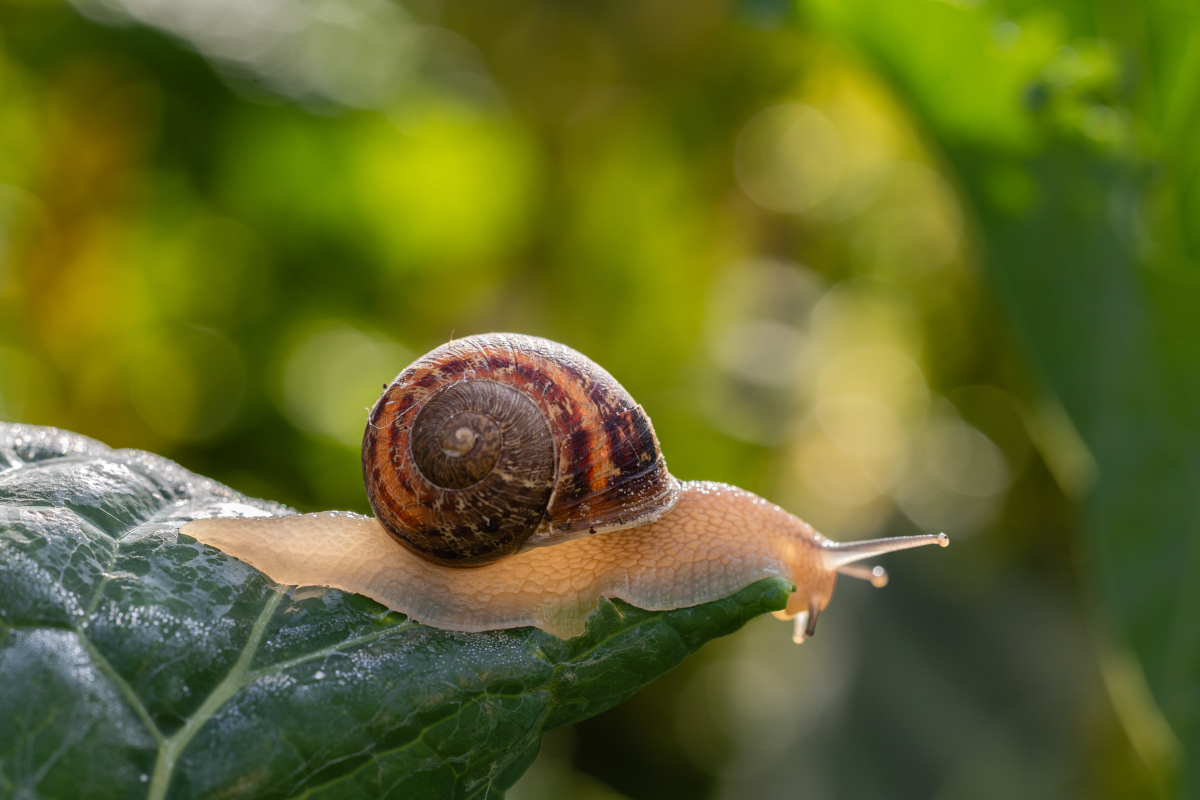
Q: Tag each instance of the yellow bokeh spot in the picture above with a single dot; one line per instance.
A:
(452, 191)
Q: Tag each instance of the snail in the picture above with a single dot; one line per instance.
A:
(515, 482)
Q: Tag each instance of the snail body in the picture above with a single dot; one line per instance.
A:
(515, 483)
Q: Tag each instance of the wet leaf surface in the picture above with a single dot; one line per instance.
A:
(139, 663)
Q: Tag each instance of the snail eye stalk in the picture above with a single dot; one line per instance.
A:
(841, 554)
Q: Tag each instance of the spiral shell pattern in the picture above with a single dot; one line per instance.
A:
(501, 442)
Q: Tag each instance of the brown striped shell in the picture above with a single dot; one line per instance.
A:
(498, 443)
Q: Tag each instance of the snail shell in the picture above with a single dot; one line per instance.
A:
(498, 443)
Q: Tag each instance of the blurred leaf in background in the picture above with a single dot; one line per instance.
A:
(1080, 203)
(900, 265)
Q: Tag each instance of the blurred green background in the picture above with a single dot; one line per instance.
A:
(899, 265)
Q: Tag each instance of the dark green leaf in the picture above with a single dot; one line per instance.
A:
(138, 663)
(1081, 248)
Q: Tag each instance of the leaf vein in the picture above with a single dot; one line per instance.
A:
(239, 676)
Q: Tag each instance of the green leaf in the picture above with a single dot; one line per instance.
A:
(136, 662)
(1085, 246)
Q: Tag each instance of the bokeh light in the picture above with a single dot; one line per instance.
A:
(789, 158)
(332, 377)
(357, 54)
(789, 230)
